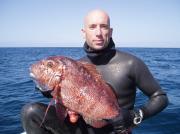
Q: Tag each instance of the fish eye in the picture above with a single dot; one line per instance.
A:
(50, 64)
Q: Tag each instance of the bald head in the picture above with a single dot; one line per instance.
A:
(95, 15)
(97, 31)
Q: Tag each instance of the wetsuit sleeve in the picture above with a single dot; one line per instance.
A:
(149, 86)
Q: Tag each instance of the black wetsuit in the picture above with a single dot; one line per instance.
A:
(124, 72)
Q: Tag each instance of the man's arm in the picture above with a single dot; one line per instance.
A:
(149, 86)
(157, 101)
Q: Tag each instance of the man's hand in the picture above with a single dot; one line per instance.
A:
(126, 120)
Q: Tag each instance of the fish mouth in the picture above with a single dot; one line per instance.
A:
(37, 85)
(38, 88)
(32, 75)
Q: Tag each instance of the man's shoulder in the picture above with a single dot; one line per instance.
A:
(126, 56)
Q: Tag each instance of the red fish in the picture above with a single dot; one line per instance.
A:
(78, 87)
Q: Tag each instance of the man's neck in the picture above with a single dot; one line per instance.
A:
(100, 57)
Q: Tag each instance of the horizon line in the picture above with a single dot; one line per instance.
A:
(80, 44)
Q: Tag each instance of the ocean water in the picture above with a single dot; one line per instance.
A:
(17, 89)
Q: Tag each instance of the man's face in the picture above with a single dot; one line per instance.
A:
(97, 31)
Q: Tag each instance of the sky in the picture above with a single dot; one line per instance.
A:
(58, 23)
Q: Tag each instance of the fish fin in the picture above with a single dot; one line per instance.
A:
(95, 123)
(46, 112)
(61, 111)
(73, 116)
(92, 69)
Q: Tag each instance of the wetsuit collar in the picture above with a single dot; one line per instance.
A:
(100, 56)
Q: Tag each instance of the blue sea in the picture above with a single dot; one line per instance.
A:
(17, 89)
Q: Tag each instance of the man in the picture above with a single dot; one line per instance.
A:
(124, 72)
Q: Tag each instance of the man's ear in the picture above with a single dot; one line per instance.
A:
(83, 33)
(111, 31)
